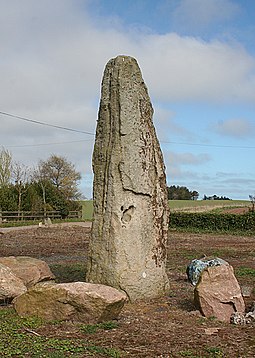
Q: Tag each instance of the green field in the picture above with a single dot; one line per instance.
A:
(204, 205)
(87, 210)
(178, 205)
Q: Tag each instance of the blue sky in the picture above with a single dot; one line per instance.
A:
(198, 61)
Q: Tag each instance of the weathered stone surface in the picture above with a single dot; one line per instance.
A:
(28, 269)
(77, 301)
(129, 231)
(218, 293)
(197, 266)
(10, 285)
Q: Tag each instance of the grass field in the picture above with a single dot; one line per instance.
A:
(178, 205)
(87, 209)
(204, 205)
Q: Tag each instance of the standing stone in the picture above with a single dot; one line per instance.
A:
(129, 231)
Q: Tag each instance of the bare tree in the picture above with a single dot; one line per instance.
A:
(5, 167)
(21, 175)
(39, 177)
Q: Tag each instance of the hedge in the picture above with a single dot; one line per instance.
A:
(213, 221)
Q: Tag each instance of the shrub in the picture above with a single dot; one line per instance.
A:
(212, 221)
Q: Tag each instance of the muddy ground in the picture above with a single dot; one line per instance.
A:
(167, 327)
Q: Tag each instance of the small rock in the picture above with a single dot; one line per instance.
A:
(211, 330)
(242, 319)
(250, 316)
(195, 313)
(238, 318)
(47, 222)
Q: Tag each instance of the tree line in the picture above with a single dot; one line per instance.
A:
(181, 193)
(176, 192)
(51, 185)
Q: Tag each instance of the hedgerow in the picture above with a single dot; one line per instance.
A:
(212, 221)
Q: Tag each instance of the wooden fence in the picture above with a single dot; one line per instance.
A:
(7, 216)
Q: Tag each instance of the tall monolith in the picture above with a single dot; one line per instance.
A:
(129, 231)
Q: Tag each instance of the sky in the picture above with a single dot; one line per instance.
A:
(197, 58)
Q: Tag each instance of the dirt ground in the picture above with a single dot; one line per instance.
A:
(242, 210)
(167, 327)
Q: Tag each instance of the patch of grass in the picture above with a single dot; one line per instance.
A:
(18, 339)
(36, 222)
(245, 271)
(87, 209)
(201, 320)
(223, 252)
(215, 352)
(67, 220)
(190, 255)
(107, 326)
(20, 223)
(212, 318)
(194, 230)
(93, 328)
(74, 272)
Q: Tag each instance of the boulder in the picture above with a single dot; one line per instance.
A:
(10, 285)
(77, 301)
(218, 294)
(28, 269)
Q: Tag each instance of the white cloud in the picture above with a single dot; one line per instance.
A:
(237, 128)
(187, 158)
(185, 68)
(54, 54)
(176, 164)
(200, 14)
(52, 60)
(167, 127)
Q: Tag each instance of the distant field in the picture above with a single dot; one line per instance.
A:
(87, 209)
(204, 205)
(178, 205)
